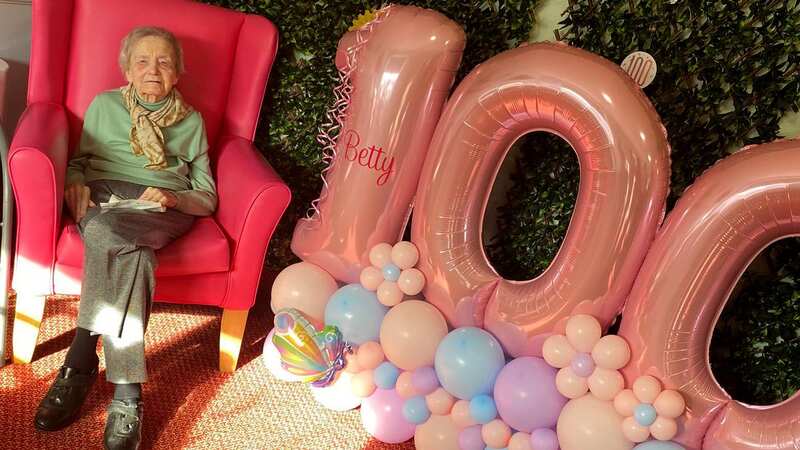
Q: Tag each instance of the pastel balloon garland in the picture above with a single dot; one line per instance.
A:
(733, 210)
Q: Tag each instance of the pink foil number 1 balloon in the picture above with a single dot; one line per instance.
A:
(401, 66)
(624, 168)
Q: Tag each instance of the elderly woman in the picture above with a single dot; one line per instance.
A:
(139, 142)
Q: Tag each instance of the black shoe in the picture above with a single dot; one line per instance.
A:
(123, 425)
(62, 404)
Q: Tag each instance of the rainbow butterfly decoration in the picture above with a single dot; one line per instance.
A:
(306, 352)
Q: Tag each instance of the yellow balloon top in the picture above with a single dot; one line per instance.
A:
(362, 19)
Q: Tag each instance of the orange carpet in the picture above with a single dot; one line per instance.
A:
(188, 402)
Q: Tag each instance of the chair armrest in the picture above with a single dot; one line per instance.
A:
(37, 162)
(252, 199)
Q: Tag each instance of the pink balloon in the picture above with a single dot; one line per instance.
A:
(624, 161)
(732, 211)
(382, 416)
(403, 64)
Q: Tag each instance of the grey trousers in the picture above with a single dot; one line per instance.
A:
(118, 281)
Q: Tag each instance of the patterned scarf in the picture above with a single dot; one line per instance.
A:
(146, 136)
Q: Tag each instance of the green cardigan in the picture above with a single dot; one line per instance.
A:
(105, 154)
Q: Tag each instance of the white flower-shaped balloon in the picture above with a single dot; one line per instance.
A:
(588, 362)
(649, 410)
(392, 273)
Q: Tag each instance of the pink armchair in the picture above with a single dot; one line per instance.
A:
(74, 51)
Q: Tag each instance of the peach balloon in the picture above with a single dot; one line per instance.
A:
(380, 255)
(496, 433)
(623, 153)
(304, 287)
(557, 351)
(633, 431)
(520, 441)
(583, 332)
(646, 389)
(370, 355)
(461, 415)
(363, 384)
(411, 281)
(339, 395)
(405, 255)
(731, 213)
(569, 384)
(589, 423)
(670, 404)
(437, 433)
(352, 365)
(371, 277)
(404, 386)
(611, 352)
(664, 429)
(605, 384)
(389, 293)
(410, 334)
(626, 402)
(440, 402)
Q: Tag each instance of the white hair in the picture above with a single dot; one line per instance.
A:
(141, 32)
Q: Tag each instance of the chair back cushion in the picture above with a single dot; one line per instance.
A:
(227, 54)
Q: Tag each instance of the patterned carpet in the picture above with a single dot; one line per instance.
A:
(188, 402)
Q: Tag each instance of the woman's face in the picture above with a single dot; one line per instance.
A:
(152, 68)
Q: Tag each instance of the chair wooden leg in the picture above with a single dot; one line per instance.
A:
(28, 314)
(230, 338)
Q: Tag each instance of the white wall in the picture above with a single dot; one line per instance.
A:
(15, 49)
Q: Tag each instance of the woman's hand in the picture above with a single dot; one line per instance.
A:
(78, 198)
(164, 196)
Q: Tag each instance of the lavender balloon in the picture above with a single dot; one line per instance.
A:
(424, 380)
(544, 439)
(524, 382)
(470, 438)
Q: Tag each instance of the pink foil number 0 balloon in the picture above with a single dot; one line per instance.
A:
(732, 212)
(624, 168)
(402, 66)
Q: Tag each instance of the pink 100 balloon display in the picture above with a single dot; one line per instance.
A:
(433, 344)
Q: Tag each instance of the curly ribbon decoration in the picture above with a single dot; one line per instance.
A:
(335, 115)
(338, 364)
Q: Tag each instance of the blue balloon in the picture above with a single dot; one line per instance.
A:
(467, 362)
(482, 409)
(659, 445)
(645, 414)
(357, 313)
(385, 375)
(391, 272)
(492, 448)
(416, 411)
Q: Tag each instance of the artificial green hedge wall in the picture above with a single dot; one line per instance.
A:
(728, 70)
